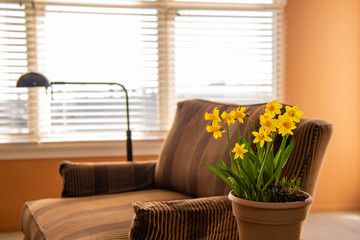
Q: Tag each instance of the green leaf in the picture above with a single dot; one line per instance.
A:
(222, 163)
(264, 166)
(221, 175)
(248, 176)
(249, 167)
(287, 152)
(280, 150)
(285, 157)
(241, 183)
(289, 148)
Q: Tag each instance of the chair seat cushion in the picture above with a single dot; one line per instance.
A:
(95, 217)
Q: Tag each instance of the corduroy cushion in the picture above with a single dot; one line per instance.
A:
(86, 179)
(94, 217)
(188, 145)
(201, 218)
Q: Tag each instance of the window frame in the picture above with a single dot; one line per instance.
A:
(106, 148)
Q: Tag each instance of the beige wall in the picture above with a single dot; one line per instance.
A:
(322, 78)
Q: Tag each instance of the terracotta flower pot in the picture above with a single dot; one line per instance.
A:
(261, 220)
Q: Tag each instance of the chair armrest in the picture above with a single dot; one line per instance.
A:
(86, 179)
(312, 137)
(200, 218)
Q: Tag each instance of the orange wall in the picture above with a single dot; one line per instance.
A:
(26, 180)
(322, 78)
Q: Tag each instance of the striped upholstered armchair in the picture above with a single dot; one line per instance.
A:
(174, 197)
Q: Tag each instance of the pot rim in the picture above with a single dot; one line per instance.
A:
(271, 205)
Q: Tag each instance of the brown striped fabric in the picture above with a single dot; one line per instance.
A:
(86, 179)
(188, 145)
(201, 218)
(94, 217)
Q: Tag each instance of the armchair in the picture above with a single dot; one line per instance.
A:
(174, 197)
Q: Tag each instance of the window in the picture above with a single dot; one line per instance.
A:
(162, 51)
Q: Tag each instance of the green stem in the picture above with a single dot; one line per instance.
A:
(251, 128)
(233, 166)
(229, 141)
(260, 178)
(239, 135)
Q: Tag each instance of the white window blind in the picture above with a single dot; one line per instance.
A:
(225, 55)
(13, 62)
(161, 51)
(101, 44)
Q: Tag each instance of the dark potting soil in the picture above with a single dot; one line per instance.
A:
(288, 195)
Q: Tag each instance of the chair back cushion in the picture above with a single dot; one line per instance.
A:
(188, 145)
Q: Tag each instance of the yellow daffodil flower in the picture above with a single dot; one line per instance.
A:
(239, 150)
(273, 108)
(268, 123)
(294, 113)
(229, 117)
(214, 128)
(261, 137)
(239, 114)
(214, 116)
(276, 122)
(285, 125)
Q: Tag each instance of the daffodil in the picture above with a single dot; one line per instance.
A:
(239, 150)
(229, 117)
(214, 128)
(213, 116)
(252, 171)
(261, 137)
(294, 113)
(273, 108)
(268, 123)
(239, 113)
(285, 125)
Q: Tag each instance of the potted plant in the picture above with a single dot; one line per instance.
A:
(265, 206)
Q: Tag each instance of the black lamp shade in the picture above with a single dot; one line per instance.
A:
(32, 79)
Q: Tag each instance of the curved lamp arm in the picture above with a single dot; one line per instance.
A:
(37, 80)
